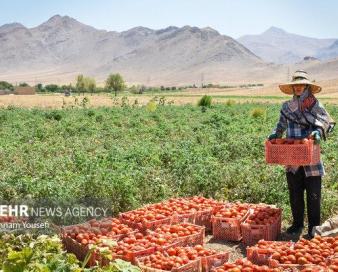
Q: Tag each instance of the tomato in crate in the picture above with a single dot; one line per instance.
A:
(226, 223)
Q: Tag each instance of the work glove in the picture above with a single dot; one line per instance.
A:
(273, 136)
(316, 136)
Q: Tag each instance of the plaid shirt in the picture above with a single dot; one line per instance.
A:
(297, 131)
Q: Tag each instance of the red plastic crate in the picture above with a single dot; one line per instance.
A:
(260, 256)
(192, 266)
(253, 233)
(228, 229)
(146, 225)
(131, 256)
(184, 218)
(80, 251)
(296, 267)
(203, 218)
(292, 154)
(214, 260)
(190, 240)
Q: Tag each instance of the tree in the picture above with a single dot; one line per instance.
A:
(4, 85)
(85, 84)
(23, 84)
(90, 84)
(115, 83)
(39, 87)
(53, 88)
(80, 84)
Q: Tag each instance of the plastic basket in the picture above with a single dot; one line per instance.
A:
(150, 225)
(80, 251)
(175, 244)
(195, 239)
(260, 256)
(292, 154)
(184, 218)
(115, 237)
(213, 261)
(192, 266)
(296, 267)
(131, 256)
(189, 240)
(228, 229)
(203, 218)
(253, 233)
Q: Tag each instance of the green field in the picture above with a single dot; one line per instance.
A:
(135, 156)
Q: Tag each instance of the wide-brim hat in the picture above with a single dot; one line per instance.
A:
(299, 77)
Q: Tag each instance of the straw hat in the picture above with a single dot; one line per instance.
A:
(299, 77)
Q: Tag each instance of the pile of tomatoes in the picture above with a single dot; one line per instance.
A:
(332, 264)
(263, 216)
(268, 247)
(192, 253)
(179, 230)
(314, 251)
(134, 243)
(163, 210)
(93, 231)
(289, 141)
(162, 261)
(243, 265)
(176, 257)
(139, 242)
(235, 211)
(9, 219)
(196, 203)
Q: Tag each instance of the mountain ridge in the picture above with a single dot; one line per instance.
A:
(62, 47)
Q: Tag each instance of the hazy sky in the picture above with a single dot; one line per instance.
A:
(235, 18)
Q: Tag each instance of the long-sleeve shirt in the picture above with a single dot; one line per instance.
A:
(298, 131)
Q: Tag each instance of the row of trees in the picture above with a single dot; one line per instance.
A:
(114, 83)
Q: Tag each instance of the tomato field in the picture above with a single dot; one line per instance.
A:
(134, 155)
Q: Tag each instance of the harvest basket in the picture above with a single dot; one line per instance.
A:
(80, 251)
(175, 244)
(203, 218)
(296, 267)
(214, 261)
(228, 229)
(152, 225)
(184, 218)
(260, 256)
(189, 240)
(115, 237)
(192, 266)
(253, 233)
(292, 154)
(131, 256)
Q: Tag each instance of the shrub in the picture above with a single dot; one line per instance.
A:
(205, 101)
(230, 102)
(151, 106)
(258, 113)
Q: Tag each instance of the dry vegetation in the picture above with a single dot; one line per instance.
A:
(266, 94)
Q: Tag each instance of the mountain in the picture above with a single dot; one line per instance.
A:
(278, 46)
(60, 48)
(329, 52)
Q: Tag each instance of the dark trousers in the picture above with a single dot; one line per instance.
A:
(297, 184)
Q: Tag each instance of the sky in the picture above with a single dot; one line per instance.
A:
(313, 18)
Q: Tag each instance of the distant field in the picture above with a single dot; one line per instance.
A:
(267, 94)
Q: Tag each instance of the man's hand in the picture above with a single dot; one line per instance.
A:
(273, 136)
(316, 136)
